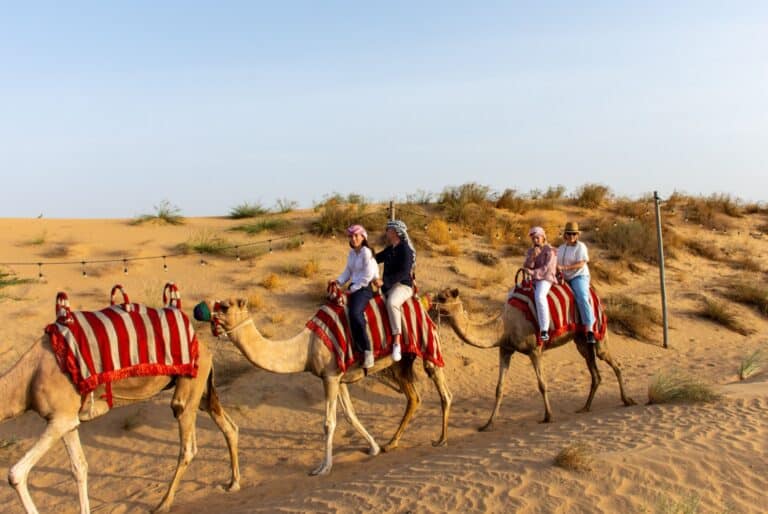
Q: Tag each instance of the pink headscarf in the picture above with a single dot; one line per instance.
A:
(357, 229)
(537, 231)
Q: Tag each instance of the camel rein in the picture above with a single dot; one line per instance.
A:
(236, 327)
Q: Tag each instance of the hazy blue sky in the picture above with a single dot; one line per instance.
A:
(108, 108)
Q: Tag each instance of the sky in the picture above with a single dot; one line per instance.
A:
(108, 109)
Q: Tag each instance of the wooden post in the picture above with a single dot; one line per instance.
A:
(391, 210)
(657, 201)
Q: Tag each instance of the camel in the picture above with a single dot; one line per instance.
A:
(306, 352)
(36, 382)
(518, 335)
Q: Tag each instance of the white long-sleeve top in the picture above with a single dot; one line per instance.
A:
(361, 269)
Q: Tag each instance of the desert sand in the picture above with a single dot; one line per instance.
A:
(704, 457)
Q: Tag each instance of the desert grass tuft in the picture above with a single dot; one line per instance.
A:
(748, 293)
(271, 282)
(56, 251)
(511, 201)
(591, 196)
(677, 386)
(689, 504)
(247, 210)
(264, 225)
(452, 250)
(705, 249)
(337, 213)
(10, 279)
(486, 258)
(753, 363)
(205, 242)
(307, 270)
(747, 263)
(165, 213)
(629, 317)
(603, 272)
(438, 231)
(38, 240)
(577, 456)
(284, 205)
(720, 313)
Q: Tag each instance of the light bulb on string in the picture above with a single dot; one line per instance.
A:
(125, 266)
(85, 274)
(40, 275)
(202, 261)
(165, 266)
(237, 253)
(270, 246)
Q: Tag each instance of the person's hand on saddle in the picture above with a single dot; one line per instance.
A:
(377, 283)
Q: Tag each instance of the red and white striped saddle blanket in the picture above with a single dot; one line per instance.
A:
(419, 335)
(563, 311)
(121, 341)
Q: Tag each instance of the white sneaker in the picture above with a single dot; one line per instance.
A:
(396, 354)
(368, 361)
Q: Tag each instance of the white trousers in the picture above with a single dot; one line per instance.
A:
(396, 297)
(540, 290)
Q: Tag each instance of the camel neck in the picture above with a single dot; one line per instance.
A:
(283, 356)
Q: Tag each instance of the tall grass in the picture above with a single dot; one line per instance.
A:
(753, 294)
(165, 213)
(247, 210)
(629, 317)
(337, 213)
(753, 363)
(263, 225)
(592, 196)
(633, 240)
(205, 242)
(677, 386)
(720, 313)
(8, 278)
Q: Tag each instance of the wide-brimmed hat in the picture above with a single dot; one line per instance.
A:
(571, 226)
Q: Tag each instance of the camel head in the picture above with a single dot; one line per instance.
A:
(446, 304)
(229, 315)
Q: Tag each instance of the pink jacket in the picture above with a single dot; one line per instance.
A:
(544, 265)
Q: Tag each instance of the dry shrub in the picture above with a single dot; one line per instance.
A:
(205, 242)
(592, 196)
(708, 212)
(247, 210)
(748, 293)
(438, 231)
(511, 201)
(577, 456)
(481, 281)
(705, 249)
(747, 263)
(271, 282)
(262, 225)
(165, 213)
(633, 208)
(56, 251)
(753, 363)
(628, 317)
(720, 313)
(601, 271)
(310, 268)
(677, 386)
(486, 258)
(452, 250)
(755, 208)
(255, 302)
(633, 240)
(337, 213)
(689, 504)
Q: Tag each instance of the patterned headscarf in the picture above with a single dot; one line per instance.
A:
(537, 231)
(357, 229)
(401, 229)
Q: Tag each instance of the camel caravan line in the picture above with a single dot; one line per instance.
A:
(88, 360)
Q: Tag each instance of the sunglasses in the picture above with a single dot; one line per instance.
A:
(571, 233)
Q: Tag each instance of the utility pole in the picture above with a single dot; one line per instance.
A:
(657, 201)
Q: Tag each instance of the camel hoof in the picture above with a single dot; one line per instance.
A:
(582, 410)
(233, 487)
(628, 402)
(163, 507)
(389, 447)
(374, 450)
(320, 470)
(546, 420)
(488, 427)
(441, 442)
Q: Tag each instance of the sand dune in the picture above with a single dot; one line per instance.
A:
(708, 457)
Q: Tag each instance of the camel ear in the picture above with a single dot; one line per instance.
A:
(455, 293)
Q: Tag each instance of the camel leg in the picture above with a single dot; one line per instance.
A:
(349, 412)
(79, 467)
(587, 352)
(19, 473)
(604, 355)
(185, 402)
(413, 401)
(331, 386)
(505, 355)
(438, 377)
(535, 356)
(228, 427)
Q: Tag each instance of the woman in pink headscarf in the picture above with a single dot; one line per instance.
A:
(361, 270)
(541, 264)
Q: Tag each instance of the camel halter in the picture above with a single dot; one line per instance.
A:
(240, 325)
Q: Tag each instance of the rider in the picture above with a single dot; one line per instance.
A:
(572, 258)
(541, 264)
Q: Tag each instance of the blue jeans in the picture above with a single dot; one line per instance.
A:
(357, 303)
(580, 286)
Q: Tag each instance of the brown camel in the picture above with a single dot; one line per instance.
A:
(36, 382)
(306, 352)
(518, 335)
